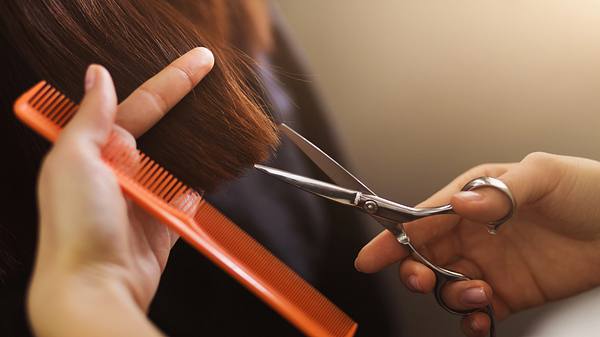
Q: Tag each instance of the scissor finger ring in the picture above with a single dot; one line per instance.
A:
(500, 186)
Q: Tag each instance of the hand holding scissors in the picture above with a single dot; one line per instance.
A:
(549, 250)
(542, 240)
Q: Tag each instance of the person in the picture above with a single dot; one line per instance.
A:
(95, 247)
(99, 257)
(56, 39)
(548, 251)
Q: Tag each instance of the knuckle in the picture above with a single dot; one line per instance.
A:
(537, 157)
(158, 99)
(184, 74)
(542, 160)
(486, 169)
(550, 169)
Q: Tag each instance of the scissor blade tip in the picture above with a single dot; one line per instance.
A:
(286, 129)
(266, 169)
(260, 167)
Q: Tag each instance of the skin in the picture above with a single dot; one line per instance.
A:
(99, 257)
(548, 251)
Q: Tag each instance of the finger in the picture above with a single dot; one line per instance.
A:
(476, 324)
(442, 251)
(94, 120)
(173, 237)
(125, 136)
(385, 250)
(465, 295)
(482, 205)
(153, 99)
(425, 230)
(382, 251)
(416, 276)
(528, 181)
(534, 177)
(443, 195)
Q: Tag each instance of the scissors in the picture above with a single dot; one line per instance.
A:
(391, 215)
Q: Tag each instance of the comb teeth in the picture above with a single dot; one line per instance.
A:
(153, 178)
(53, 105)
(273, 273)
(47, 111)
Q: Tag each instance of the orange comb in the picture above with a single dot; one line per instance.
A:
(47, 111)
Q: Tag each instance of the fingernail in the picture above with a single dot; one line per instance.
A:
(413, 283)
(474, 296)
(470, 196)
(474, 325)
(90, 78)
(202, 58)
(356, 265)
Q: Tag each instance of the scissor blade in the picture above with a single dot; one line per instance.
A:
(330, 167)
(317, 187)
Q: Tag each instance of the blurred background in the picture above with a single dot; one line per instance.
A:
(422, 90)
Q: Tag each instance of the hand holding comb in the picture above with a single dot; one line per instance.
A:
(47, 111)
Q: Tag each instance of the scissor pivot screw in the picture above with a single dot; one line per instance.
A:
(370, 206)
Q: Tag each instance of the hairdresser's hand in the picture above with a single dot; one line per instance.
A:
(548, 251)
(100, 257)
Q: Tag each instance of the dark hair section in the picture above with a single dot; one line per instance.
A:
(211, 136)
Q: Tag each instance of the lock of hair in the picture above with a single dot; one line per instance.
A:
(47, 111)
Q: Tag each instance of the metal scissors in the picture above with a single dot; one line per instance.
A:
(389, 214)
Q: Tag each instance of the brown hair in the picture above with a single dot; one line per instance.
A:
(215, 132)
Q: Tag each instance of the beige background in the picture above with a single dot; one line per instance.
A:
(421, 90)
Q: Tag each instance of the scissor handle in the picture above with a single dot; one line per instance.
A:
(386, 210)
(444, 276)
(500, 186)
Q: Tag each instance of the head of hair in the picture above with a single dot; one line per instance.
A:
(212, 135)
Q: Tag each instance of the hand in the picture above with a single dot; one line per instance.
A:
(93, 243)
(549, 250)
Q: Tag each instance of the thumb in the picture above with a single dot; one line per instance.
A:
(485, 204)
(527, 183)
(94, 120)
